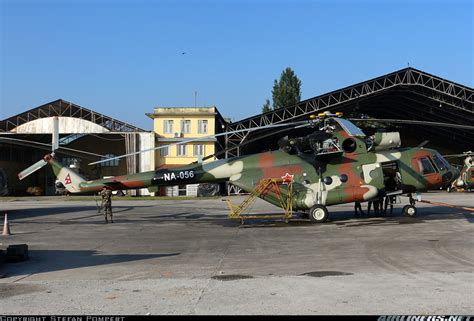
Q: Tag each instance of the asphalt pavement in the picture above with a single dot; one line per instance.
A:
(187, 257)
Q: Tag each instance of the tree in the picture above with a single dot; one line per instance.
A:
(267, 106)
(287, 91)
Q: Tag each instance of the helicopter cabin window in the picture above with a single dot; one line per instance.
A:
(426, 166)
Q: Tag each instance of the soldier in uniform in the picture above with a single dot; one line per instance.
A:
(378, 206)
(358, 209)
(106, 195)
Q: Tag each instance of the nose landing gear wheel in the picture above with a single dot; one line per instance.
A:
(318, 214)
(409, 210)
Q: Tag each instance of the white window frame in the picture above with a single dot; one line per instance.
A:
(168, 126)
(203, 125)
(197, 148)
(181, 149)
(185, 126)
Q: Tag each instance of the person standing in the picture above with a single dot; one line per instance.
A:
(106, 195)
(358, 209)
(376, 204)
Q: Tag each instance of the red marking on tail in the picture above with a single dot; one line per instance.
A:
(67, 180)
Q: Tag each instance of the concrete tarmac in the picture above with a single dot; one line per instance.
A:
(187, 257)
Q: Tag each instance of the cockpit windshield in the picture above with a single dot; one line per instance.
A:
(440, 162)
(349, 127)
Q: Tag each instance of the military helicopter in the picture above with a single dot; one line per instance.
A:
(465, 180)
(335, 164)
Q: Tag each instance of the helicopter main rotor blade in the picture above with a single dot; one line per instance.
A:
(23, 142)
(202, 138)
(30, 170)
(465, 154)
(423, 143)
(248, 142)
(413, 122)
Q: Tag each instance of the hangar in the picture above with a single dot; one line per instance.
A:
(408, 94)
(80, 129)
(404, 94)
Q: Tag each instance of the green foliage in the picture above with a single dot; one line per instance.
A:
(267, 106)
(286, 91)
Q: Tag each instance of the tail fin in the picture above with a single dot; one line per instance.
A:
(67, 176)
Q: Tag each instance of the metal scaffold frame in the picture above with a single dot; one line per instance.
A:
(64, 108)
(264, 187)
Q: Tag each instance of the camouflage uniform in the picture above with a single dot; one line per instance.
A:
(106, 204)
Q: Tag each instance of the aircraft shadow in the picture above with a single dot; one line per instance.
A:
(200, 216)
(18, 214)
(396, 218)
(42, 261)
(342, 218)
(185, 217)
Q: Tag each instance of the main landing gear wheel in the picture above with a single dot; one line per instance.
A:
(409, 210)
(318, 214)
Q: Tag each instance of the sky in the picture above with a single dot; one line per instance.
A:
(122, 58)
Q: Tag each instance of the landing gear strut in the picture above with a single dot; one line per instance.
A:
(318, 213)
(410, 210)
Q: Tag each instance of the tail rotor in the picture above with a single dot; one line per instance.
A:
(41, 163)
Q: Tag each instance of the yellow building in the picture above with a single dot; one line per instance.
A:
(177, 124)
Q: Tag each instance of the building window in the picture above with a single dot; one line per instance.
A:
(110, 163)
(185, 126)
(168, 126)
(181, 150)
(164, 151)
(198, 150)
(202, 126)
(181, 190)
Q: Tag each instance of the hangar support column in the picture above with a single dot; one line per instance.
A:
(146, 159)
(142, 162)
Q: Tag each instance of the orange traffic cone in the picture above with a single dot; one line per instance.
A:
(6, 227)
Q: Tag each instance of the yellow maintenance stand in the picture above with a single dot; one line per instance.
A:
(264, 186)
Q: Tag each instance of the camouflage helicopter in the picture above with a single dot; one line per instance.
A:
(465, 180)
(335, 164)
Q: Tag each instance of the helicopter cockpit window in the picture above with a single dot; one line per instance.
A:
(440, 162)
(426, 166)
(349, 127)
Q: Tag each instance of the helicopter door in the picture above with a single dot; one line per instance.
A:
(373, 174)
(391, 177)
